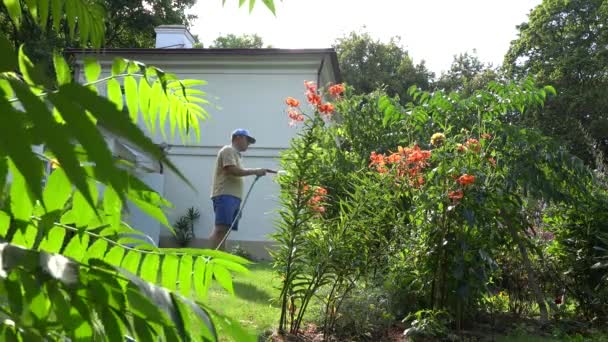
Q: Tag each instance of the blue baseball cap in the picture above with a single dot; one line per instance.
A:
(240, 132)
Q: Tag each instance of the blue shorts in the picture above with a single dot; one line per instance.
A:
(226, 209)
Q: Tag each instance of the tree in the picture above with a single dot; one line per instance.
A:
(467, 74)
(368, 64)
(232, 41)
(128, 24)
(564, 43)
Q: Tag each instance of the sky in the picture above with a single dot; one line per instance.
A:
(431, 30)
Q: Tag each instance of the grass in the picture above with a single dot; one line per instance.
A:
(254, 306)
(253, 303)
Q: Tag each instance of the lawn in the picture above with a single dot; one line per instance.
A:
(253, 304)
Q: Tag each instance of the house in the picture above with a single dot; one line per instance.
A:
(247, 88)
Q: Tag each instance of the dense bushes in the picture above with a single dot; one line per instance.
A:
(443, 203)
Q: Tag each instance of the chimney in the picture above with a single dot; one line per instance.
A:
(173, 37)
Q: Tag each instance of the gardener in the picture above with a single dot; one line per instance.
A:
(227, 190)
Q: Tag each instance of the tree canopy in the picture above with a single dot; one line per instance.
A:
(467, 74)
(564, 43)
(368, 64)
(128, 24)
(244, 41)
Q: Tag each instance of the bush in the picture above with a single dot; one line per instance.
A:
(243, 253)
(364, 314)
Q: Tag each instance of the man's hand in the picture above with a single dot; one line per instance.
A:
(259, 172)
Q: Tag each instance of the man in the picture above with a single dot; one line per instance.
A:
(227, 190)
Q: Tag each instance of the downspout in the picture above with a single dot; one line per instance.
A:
(319, 71)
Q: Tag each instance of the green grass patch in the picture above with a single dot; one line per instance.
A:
(254, 303)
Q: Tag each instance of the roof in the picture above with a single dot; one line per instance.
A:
(215, 52)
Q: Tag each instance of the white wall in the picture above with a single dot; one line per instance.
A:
(247, 92)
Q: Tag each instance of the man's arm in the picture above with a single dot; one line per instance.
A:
(236, 171)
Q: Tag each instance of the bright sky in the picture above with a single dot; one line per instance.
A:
(433, 30)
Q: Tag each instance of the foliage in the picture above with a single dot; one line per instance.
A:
(241, 252)
(430, 195)
(368, 64)
(564, 44)
(466, 75)
(428, 323)
(363, 315)
(67, 252)
(184, 227)
(232, 41)
(127, 24)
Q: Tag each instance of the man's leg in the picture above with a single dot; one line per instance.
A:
(219, 231)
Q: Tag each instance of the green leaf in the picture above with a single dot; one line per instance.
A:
(118, 123)
(3, 173)
(209, 253)
(112, 206)
(131, 96)
(13, 8)
(144, 97)
(21, 201)
(12, 130)
(96, 251)
(5, 221)
(251, 5)
(40, 306)
(230, 265)
(131, 262)
(8, 59)
(270, 5)
(223, 277)
(141, 306)
(114, 256)
(25, 237)
(202, 271)
(32, 73)
(113, 328)
(92, 69)
(32, 6)
(150, 209)
(84, 332)
(185, 275)
(143, 331)
(57, 190)
(118, 66)
(62, 69)
(114, 93)
(53, 240)
(43, 13)
(56, 13)
(77, 247)
(150, 267)
(170, 271)
(550, 89)
(54, 135)
(15, 295)
(157, 97)
(82, 209)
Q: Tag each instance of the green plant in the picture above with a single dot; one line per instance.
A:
(184, 226)
(240, 251)
(71, 268)
(364, 314)
(428, 323)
